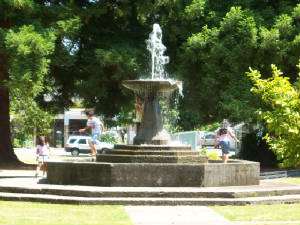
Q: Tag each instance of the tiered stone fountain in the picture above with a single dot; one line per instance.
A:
(152, 161)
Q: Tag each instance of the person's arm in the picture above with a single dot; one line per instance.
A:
(233, 137)
(48, 146)
(102, 129)
(83, 129)
(86, 128)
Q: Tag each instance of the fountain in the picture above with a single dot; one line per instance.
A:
(151, 131)
(151, 161)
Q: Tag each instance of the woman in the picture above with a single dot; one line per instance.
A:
(224, 134)
(43, 154)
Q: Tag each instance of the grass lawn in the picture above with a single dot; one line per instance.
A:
(31, 213)
(295, 180)
(28, 159)
(282, 212)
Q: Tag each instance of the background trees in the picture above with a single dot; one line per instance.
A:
(214, 61)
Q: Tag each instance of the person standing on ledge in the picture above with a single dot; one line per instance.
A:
(224, 133)
(139, 107)
(97, 130)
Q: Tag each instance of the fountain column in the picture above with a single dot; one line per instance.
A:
(151, 130)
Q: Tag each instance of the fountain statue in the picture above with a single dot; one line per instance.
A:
(151, 130)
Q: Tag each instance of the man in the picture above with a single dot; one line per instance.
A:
(97, 130)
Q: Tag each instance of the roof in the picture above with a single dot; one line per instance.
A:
(73, 114)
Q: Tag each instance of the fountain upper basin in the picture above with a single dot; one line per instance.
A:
(150, 87)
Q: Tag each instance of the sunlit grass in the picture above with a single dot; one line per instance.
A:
(30, 213)
(295, 180)
(278, 212)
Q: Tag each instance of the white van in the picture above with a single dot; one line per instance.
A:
(80, 144)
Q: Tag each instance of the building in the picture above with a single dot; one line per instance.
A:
(67, 124)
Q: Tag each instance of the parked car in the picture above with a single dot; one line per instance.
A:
(208, 139)
(80, 144)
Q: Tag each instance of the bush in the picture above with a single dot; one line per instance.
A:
(280, 116)
(17, 143)
(108, 138)
(213, 155)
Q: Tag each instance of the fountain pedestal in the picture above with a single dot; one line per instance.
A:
(151, 129)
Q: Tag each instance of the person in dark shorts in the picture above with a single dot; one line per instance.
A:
(224, 133)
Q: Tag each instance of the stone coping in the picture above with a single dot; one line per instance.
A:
(116, 158)
(153, 147)
(153, 152)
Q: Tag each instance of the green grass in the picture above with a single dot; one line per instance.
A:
(282, 212)
(295, 180)
(28, 159)
(31, 213)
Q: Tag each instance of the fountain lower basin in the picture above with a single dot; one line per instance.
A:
(152, 166)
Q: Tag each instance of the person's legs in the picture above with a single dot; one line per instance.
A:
(38, 168)
(44, 168)
(224, 158)
(225, 150)
(92, 143)
(137, 127)
(93, 149)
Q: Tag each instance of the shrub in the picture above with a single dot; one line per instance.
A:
(213, 155)
(108, 138)
(281, 116)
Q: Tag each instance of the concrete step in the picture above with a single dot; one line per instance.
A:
(285, 199)
(153, 152)
(30, 186)
(117, 158)
(153, 147)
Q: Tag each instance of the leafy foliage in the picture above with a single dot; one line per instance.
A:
(214, 60)
(108, 138)
(282, 117)
(28, 67)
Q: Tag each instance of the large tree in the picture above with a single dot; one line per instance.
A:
(25, 46)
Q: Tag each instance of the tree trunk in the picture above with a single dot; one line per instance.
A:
(7, 155)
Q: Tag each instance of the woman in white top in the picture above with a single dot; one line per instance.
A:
(224, 134)
(43, 154)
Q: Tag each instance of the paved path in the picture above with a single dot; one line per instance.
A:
(174, 215)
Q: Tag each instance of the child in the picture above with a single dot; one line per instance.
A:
(43, 153)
